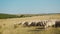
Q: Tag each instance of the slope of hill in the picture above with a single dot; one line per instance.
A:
(5, 16)
(7, 26)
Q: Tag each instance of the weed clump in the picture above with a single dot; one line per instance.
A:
(15, 26)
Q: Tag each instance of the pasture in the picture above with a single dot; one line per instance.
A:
(7, 25)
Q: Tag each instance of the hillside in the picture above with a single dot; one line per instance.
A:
(7, 26)
(5, 16)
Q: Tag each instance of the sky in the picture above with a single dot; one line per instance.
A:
(29, 6)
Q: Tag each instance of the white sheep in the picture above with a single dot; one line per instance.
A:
(49, 24)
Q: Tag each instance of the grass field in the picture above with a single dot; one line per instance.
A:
(7, 25)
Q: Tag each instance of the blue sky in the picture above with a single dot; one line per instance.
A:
(29, 6)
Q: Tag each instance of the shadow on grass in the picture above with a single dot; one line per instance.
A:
(36, 29)
(39, 28)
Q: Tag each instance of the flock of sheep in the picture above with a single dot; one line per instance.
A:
(44, 23)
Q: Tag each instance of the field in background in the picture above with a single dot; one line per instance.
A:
(7, 25)
(6, 16)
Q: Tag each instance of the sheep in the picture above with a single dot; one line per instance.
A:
(44, 23)
(33, 24)
(39, 24)
(29, 23)
(57, 23)
(25, 24)
(49, 24)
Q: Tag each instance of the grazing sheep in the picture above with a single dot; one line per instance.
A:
(49, 24)
(39, 24)
(25, 24)
(57, 24)
(29, 23)
(43, 23)
(33, 24)
(53, 23)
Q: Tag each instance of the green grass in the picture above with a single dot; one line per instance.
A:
(4, 16)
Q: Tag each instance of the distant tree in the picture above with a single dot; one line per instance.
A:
(22, 16)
